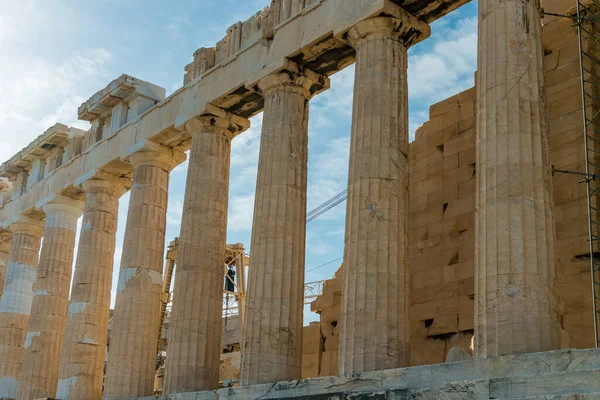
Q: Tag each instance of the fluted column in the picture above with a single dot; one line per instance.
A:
(4, 253)
(15, 304)
(272, 343)
(516, 303)
(193, 358)
(132, 351)
(374, 319)
(82, 364)
(44, 339)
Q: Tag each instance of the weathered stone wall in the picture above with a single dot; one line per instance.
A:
(442, 252)
(442, 188)
(563, 88)
(320, 340)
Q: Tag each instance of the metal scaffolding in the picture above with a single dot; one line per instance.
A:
(234, 292)
(312, 290)
(588, 15)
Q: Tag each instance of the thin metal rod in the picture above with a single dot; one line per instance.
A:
(564, 171)
(588, 172)
(544, 13)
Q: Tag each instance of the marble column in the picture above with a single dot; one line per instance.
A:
(15, 304)
(374, 317)
(44, 339)
(193, 359)
(4, 253)
(516, 307)
(81, 371)
(132, 351)
(272, 341)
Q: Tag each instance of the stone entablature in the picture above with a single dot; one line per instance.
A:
(39, 159)
(120, 102)
(314, 39)
(564, 374)
(123, 89)
(241, 35)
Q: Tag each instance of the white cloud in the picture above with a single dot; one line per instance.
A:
(241, 210)
(328, 175)
(245, 147)
(174, 209)
(177, 27)
(242, 182)
(315, 244)
(442, 71)
(37, 93)
(416, 119)
(329, 107)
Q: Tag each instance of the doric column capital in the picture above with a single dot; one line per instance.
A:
(61, 203)
(217, 120)
(153, 154)
(25, 225)
(403, 27)
(114, 187)
(99, 181)
(5, 240)
(295, 78)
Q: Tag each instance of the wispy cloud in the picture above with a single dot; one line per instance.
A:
(241, 210)
(442, 71)
(37, 93)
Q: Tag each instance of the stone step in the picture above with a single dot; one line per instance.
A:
(568, 385)
(576, 396)
(519, 365)
(588, 396)
(560, 375)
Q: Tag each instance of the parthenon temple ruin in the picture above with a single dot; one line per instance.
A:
(471, 264)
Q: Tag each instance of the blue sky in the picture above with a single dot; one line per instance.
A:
(58, 53)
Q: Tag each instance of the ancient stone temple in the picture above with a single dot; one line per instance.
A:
(466, 261)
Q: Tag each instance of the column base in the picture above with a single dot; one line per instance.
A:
(561, 374)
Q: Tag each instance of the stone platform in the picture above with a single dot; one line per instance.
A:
(563, 374)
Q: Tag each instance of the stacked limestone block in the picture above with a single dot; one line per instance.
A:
(320, 340)
(312, 348)
(442, 162)
(330, 333)
(329, 305)
(231, 355)
(565, 125)
(442, 182)
(229, 368)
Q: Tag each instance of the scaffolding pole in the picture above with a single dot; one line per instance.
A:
(588, 14)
